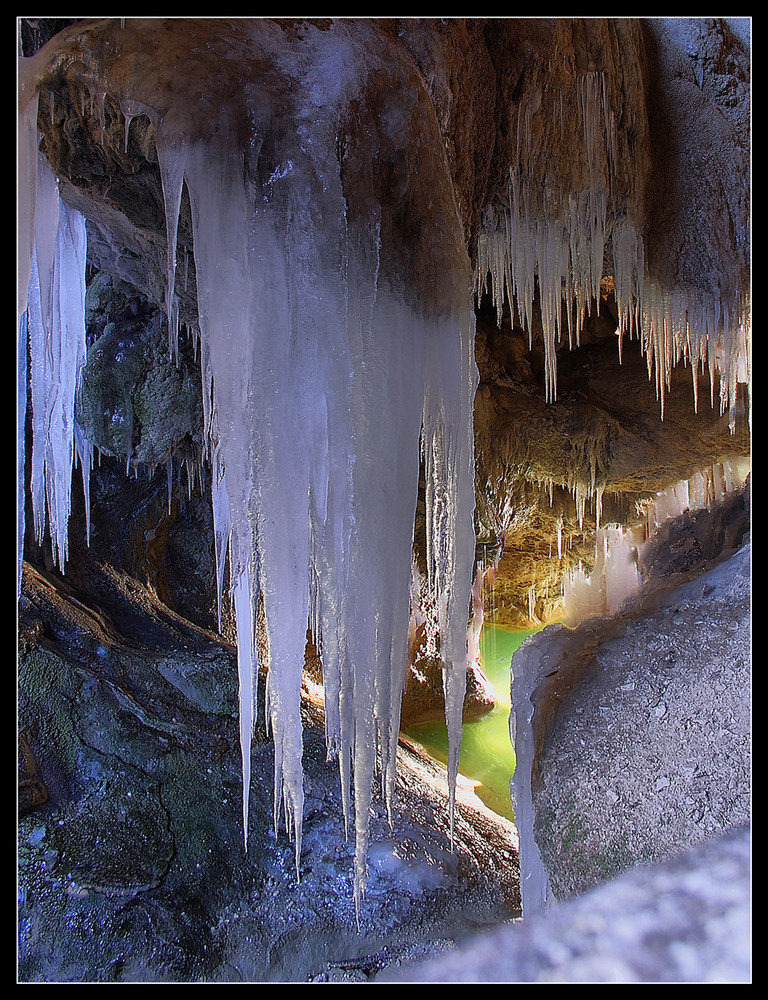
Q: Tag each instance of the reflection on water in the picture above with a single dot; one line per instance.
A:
(487, 756)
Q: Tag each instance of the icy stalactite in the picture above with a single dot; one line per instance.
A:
(553, 244)
(702, 490)
(56, 330)
(172, 171)
(615, 576)
(246, 647)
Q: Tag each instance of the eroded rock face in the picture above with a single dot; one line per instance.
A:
(641, 723)
(136, 403)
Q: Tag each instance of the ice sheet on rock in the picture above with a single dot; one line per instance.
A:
(614, 577)
(527, 669)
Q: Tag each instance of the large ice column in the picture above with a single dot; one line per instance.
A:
(324, 385)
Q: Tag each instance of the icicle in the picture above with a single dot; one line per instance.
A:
(172, 162)
(84, 454)
(532, 603)
(614, 578)
(245, 670)
(454, 691)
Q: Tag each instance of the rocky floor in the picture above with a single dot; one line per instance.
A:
(687, 920)
(130, 835)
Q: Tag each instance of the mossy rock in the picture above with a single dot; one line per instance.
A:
(136, 403)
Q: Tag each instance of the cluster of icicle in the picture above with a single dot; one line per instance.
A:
(615, 576)
(701, 491)
(51, 333)
(322, 393)
(557, 244)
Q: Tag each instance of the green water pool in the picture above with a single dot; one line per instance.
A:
(487, 756)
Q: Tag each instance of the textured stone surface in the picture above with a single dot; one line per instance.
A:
(685, 921)
(132, 868)
(651, 752)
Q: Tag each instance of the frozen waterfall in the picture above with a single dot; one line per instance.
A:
(324, 384)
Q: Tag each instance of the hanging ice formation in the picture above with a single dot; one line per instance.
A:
(316, 488)
(704, 488)
(331, 367)
(552, 233)
(52, 331)
(615, 576)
